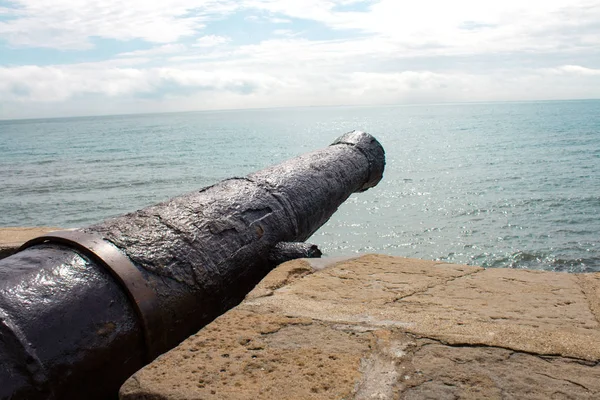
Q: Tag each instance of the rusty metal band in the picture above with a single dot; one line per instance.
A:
(104, 253)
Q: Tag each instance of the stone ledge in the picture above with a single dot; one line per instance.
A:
(387, 328)
(11, 238)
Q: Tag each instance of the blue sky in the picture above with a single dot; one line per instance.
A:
(89, 57)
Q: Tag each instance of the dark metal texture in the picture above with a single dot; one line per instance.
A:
(142, 297)
(68, 329)
(285, 251)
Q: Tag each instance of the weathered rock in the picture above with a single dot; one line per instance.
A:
(11, 238)
(379, 327)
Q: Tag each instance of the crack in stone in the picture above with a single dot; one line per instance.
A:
(543, 357)
(271, 287)
(292, 276)
(399, 328)
(513, 352)
(583, 286)
(564, 380)
(452, 279)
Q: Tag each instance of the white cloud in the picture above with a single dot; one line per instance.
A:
(575, 70)
(392, 51)
(155, 51)
(67, 24)
(280, 20)
(188, 85)
(61, 83)
(211, 41)
(457, 27)
(460, 26)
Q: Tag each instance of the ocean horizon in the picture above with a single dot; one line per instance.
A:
(497, 184)
(283, 108)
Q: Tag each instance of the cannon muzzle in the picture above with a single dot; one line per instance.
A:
(82, 310)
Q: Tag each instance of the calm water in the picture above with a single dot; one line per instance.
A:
(498, 185)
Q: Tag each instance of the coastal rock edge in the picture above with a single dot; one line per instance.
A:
(11, 238)
(392, 328)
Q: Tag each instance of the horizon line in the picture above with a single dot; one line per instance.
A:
(302, 107)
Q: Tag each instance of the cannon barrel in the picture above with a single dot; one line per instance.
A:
(82, 310)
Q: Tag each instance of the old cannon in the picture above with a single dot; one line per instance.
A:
(82, 310)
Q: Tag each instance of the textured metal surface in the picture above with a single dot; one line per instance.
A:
(69, 330)
(286, 251)
(121, 268)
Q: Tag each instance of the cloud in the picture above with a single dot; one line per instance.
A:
(575, 70)
(62, 83)
(211, 41)
(280, 20)
(229, 54)
(66, 24)
(510, 25)
(458, 27)
(155, 51)
(34, 84)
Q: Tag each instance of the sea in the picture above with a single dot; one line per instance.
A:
(513, 184)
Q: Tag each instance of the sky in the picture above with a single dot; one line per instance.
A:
(94, 57)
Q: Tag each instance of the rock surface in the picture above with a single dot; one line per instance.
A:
(380, 327)
(11, 238)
